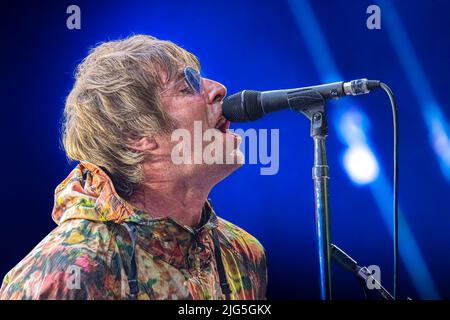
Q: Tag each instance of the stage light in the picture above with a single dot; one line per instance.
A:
(352, 125)
(360, 164)
(359, 161)
(441, 138)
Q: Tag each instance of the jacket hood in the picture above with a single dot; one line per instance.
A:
(88, 193)
(145, 257)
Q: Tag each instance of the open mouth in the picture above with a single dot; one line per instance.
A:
(222, 124)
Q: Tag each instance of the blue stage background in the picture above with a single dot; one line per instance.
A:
(262, 45)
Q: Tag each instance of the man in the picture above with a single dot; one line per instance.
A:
(132, 223)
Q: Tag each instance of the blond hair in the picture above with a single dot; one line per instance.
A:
(115, 98)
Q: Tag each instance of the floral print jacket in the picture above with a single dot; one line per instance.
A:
(104, 248)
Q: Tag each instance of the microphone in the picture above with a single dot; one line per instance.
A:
(249, 105)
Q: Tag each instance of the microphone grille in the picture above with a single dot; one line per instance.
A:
(242, 106)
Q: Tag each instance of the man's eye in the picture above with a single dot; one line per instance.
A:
(186, 90)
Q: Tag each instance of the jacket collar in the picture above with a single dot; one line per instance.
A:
(88, 193)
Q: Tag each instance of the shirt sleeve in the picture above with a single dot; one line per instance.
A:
(64, 275)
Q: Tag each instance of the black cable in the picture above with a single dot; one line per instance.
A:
(395, 196)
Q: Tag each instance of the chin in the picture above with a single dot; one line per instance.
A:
(219, 172)
(235, 158)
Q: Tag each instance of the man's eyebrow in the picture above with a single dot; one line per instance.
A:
(179, 80)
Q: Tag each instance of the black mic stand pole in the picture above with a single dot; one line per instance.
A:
(362, 273)
(320, 175)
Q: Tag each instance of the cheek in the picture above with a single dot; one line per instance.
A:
(193, 119)
(186, 112)
(215, 110)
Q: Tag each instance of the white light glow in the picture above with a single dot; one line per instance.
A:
(360, 164)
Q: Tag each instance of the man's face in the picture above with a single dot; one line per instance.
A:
(200, 114)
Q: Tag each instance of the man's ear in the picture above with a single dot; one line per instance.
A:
(143, 144)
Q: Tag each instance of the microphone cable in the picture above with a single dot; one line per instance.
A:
(390, 94)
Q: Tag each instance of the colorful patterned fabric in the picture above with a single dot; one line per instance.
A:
(89, 254)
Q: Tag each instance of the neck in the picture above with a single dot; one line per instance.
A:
(164, 196)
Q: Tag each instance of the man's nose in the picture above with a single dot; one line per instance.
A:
(214, 91)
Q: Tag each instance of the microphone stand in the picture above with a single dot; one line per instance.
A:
(362, 273)
(315, 112)
(320, 174)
